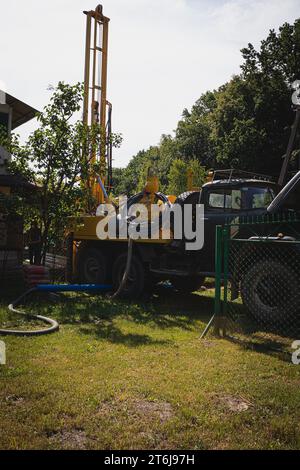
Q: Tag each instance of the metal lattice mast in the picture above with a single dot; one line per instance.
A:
(95, 94)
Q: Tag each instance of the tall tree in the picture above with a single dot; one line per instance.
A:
(193, 131)
(57, 158)
(270, 71)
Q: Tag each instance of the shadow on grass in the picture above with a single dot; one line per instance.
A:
(269, 347)
(265, 336)
(110, 332)
(165, 309)
(96, 315)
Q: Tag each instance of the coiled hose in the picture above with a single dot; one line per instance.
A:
(54, 326)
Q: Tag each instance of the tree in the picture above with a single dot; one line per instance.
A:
(167, 151)
(118, 176)
(193, 131)
(199, 173)
(270, 71)
(278, 56)
(131, 174)
(57, 158)
(235, 135)
(178, 175)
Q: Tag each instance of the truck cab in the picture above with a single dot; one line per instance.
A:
(225, 199)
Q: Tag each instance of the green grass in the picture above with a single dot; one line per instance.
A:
(121, 376)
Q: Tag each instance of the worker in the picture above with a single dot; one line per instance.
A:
(35, 243)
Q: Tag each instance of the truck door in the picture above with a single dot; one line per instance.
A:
(221, 205)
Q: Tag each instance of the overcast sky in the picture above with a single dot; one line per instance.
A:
(163, 54)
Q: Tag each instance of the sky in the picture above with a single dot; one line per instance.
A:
(163, 54)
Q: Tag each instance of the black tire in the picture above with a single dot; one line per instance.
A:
(135, 285)
(270, 292)
(186, 285)
(92, 266)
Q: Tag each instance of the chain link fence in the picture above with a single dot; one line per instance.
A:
(257, 282)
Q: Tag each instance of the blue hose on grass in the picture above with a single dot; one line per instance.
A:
(73, 288)
(54, 326)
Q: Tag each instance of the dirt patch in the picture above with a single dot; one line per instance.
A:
(75, 439)
(14, 399)
(160, 410)
(236, 404)
(208, 344)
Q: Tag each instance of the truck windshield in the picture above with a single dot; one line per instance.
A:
(257, 197)
(241, 199)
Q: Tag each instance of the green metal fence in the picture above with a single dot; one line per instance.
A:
(257, 295)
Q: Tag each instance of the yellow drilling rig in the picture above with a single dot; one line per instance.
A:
(226, 195)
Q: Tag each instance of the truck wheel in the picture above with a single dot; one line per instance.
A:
(270, 292)
(186, 285)
(136, 281)
(92, 266)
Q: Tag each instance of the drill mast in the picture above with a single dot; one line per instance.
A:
(96, 108)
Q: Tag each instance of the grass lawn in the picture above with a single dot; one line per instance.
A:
(121, 376)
